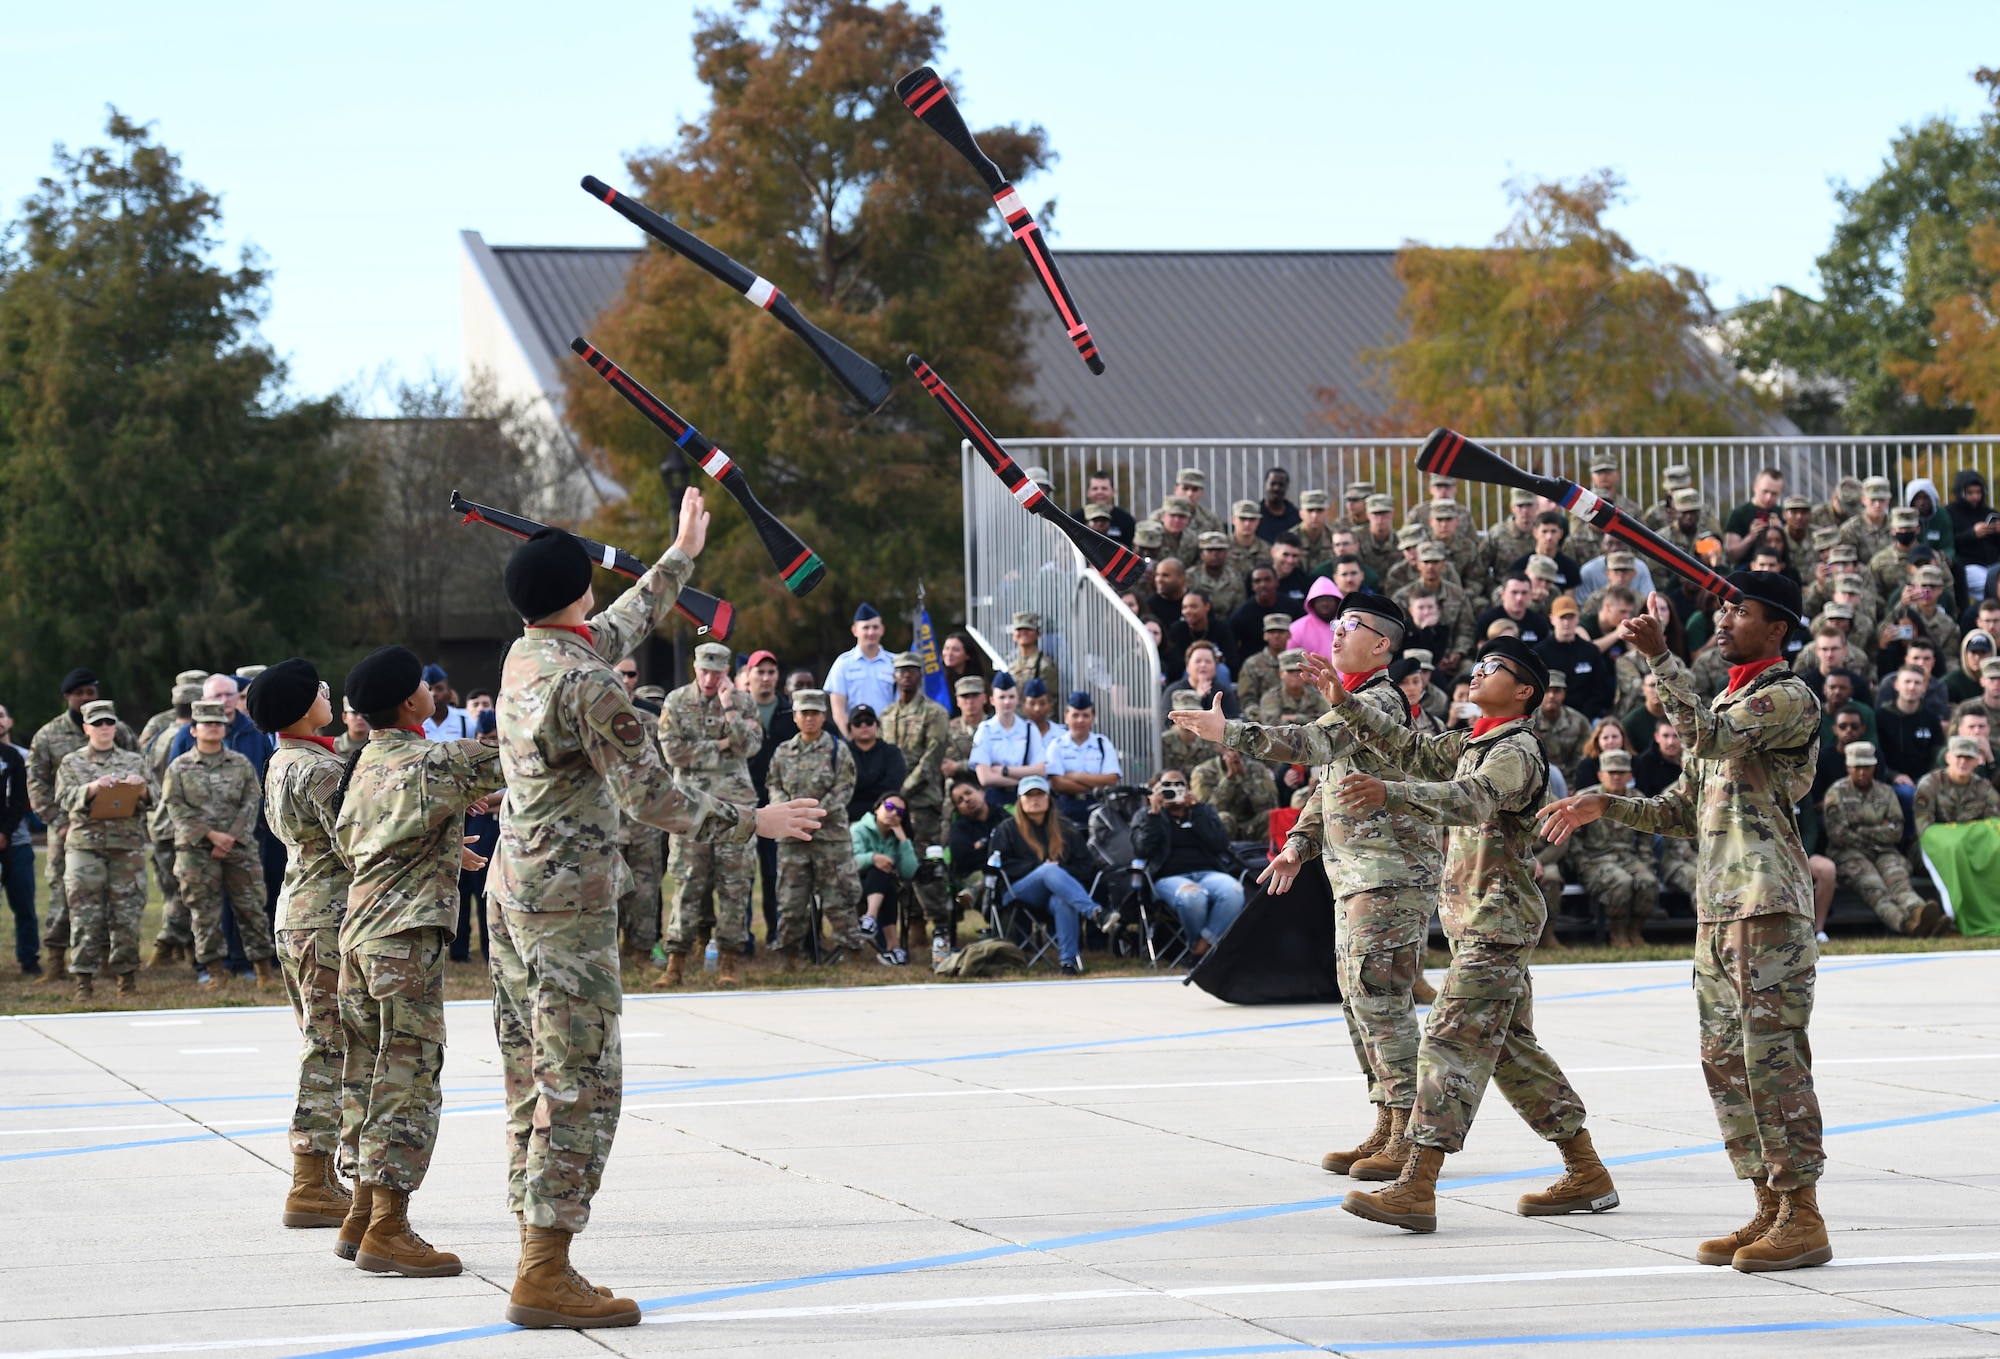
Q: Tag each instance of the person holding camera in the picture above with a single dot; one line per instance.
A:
(1186, 849)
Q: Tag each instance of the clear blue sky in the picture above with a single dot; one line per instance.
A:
(351, 143)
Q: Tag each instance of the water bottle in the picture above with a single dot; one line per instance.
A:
(709, 955)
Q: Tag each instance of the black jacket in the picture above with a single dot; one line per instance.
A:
(1017, 860)
(13, 791)
(1156, 838)
(783, 729)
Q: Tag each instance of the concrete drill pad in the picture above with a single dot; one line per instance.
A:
(1116, 1167)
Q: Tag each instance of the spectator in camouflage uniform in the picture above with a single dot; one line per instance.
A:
(1745, 762)
(401, 829)
(104, 863)
(1293, 702)
(577, 758)
(814, 765)
(1614, 862)
(1030, 661)
(1562, 728)
(918, 727)
(57, 737)
(212, 795)
(302, 800)
(708, 732)
(175, 940)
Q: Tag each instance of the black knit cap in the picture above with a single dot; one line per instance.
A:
(77, 678)
(1523, 661)
(283, 694)
(1774, 591)
(383, 679)
(547, 573)
(1361, 601)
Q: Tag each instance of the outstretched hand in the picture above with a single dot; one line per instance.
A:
(1207, 723)
(1323, 676)
(693, 531)
(1565, 817)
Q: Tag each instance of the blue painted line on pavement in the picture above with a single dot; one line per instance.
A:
(1071, 1242)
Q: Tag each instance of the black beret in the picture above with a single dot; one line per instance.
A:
(77, 678)
(547, 574)
(1518, 654)
(1773, 590)
(383, 678)
(283, 694)
(1382, 606)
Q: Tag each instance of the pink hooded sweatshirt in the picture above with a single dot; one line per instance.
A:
(1309, 633)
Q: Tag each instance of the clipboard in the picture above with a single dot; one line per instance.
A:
(119, 801)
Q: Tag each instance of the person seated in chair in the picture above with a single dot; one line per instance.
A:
(1045, 856)
(1186, 850)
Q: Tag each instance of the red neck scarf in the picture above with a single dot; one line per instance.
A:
(1740, 675)
(326, 741)
(1486, 724)
(580, 629)
(1353, 682)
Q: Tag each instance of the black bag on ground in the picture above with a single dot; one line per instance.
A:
(1279, 951)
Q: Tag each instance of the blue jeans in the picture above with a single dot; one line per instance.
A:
(17, 872)
(1051, 888)
(1207, 903)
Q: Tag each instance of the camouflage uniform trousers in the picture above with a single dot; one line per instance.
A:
(639, 906)
(1482, 1028)
(392, 1022)
(927, 827)
(1378, 938)
(556, 1002)
(1883, 881)
(729, 873)
(176, 926)
(311, 959)
(1624, 884)
(1753, 986)
(236, 883)
(107, 895)
(825, 866)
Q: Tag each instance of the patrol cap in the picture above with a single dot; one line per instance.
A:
(1177, 504)
(1542, 568)
(1558, 679)
(1191, 476)
(207, 710)
(1620, 561)
(186, 693)
(1422, 657)
(1518, 496)
(1381, 504)
(1294, 659)
(1958, 745)
(1092, 513)
(100, 710)
(1245, 509)
(1409, 535)
(1615, 761)
(1148, 534)
(1562, 606)
(809, 700)
(1903, 517)
(712, 656)
(1929, 575)
(1432, 551)
(1773, 591)
(1277, 622)
(1186, 700)
(1825, 539)
(1839, 610)
(1687, 498)
(190, 677)
(1312, 500)
(1876, 488)
(1859, 753)
(1990, 669)
(650, 693)
(1213, 541)
(1358, 490)
(1795, 502)
(969, 684)
(1080, 700)
(1676, 475)
(907, 660)
(1028, 619)
(1604, 462)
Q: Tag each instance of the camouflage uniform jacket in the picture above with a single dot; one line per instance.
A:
(1257, 677)
(1604, 837)
(1940, 802)
(1746, 762)
(692, 731)
(1039, 666)
(1280, 709)
(824, 770)
(918, 727)
(1563, 738)
(79, 769)
(206, 793)
(1485, 789)
(1243, 801)
(1870, 823)
(402, 827)
(57, 738)
(1865, 538)
(577, 757)
(300, 785)
(1361, 850)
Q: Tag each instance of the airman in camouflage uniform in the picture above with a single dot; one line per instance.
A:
(919, 728)
(816, 766)
(212, 798)
(1291, 702)
(175, 941)
(1564, 731)
(56, 738)
(1614, 862)
(104, 868)
(1258, 674)
(1956, 794)
(708, 739)
(1864, 835)
(1242, 795)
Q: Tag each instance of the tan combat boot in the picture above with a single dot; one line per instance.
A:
(549, 1293)
(1585, 1186)
(317, 1198)
(725, 969)
(83, 985)
(348, 1243)
(128, 984)
(1387, 1163)
(1409, 1203)
(1422, 992)
(1722, 1249)
(267, 973)
(1797, 1239)
(1378, 1137)
(392, 1245)
(676, 971)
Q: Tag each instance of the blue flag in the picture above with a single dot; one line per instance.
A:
(936, 686)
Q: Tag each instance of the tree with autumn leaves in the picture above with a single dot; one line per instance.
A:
(808, 169)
